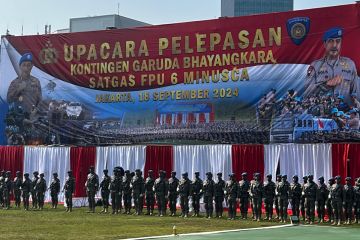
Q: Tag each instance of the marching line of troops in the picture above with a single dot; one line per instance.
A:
(335, 200)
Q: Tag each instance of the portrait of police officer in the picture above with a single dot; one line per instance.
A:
(332, 74)
(25, 90)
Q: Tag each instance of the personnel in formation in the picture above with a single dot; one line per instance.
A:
(302, 199)
(283, 196)
(105, 191)
(231, 195)
(219, 194)
(127, 191)
(40, 189)
(329, 208)
(256, 193)
(184, 193)
(321, 199)
(2, 183)
(208, 190)
(357, 200)
(196, 187)
(26, 188)
(34, 198)
(295, 195)
(161, 192)
(92, 187)
(173, 194)
(337, 197)
(115, 186)
(149, 192)
(277, 205)
(244, 187)
(269, 196)
(138, 190)
(8, 186)
(310, 192)
(18, 181)
(54, 190)
(69, 190)
(348, 201)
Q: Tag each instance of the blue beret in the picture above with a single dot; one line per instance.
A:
(340, 113)
(335, 32)
(27, 57)
(334, 110)
(341, 97)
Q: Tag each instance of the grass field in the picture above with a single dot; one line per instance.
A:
(57, 224)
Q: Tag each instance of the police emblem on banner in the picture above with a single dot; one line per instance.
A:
(298, 28)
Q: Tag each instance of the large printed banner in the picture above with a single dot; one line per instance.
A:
(274, 77)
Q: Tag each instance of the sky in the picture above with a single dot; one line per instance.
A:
(30, 17)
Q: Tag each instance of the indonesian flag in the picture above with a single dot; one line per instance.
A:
(321, 124)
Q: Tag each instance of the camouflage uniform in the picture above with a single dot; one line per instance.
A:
(116, 187)
(330, 211)
(244, 186)
(2, 183)
(7, 190)
(310, 192)
(92, 186)
(184, 192)
(105, 190)
(161, 192)
(40, 189)
(34, 198)
(322, 195)
(348, 201)
(277, 205)
(69, 189)
(256, 193)
(149, 193)
(54, 190)
(26, 188)
(219, 194)
(337, 197)
(127, 192)
(173, 195)
(282, 190)
(357, 200)
(302, 199)
(208, 190)
(232, 192)
(269, 195)
(138, 189)
(196, 187)
(18, 181)
(295, 195)
(25, 92)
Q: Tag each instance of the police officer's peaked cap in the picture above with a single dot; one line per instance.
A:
(305, 177)
(321, 178)
(137, 170)
(55, 173)
(219, 174)
(310, 176)
(70, 171)
(127, 171)
(105, 170)
(232, 175)
(331, 179)
(8, 172)
(163, 172)
(244, 174)
(296, 176)
(17, 172)
(35, 172)
(269, 176)
(335, 32)
(338, 177)
(91, 167)
(284, 176)
(197, 173)
(27, 57)
(150, 171)
(208, 174)
(185, 174)
(173, 172)
(348, 179)
(257, 174)
(26, 174)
